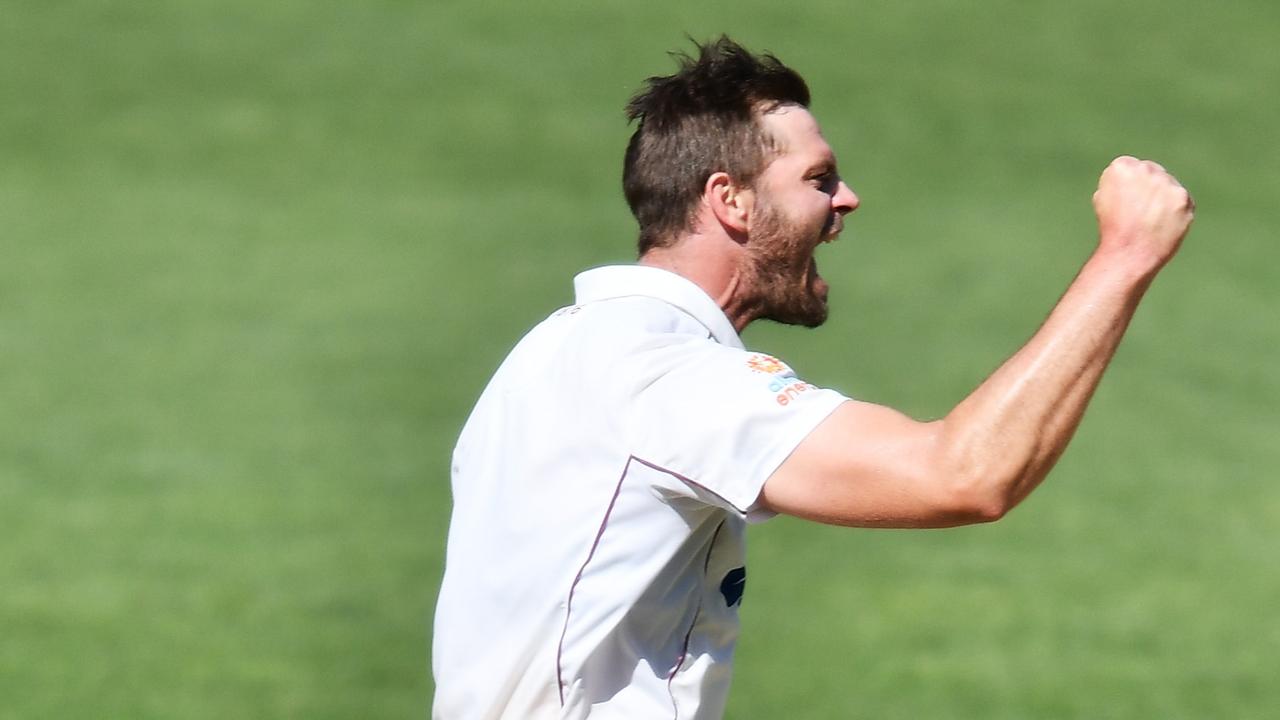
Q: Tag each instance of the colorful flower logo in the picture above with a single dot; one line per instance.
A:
(766, 364)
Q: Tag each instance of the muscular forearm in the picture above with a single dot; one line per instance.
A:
(1002, 440)
(872, 466)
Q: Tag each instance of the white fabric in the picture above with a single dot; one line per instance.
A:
(601, 490)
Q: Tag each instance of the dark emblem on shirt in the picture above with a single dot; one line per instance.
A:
(733, 585)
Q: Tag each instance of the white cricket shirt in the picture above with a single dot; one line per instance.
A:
(601, 490)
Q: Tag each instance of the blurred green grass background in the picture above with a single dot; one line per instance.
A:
(258, 260)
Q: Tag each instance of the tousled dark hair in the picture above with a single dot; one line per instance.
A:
(701, 120)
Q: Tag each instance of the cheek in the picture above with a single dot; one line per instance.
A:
(820, 202)
(808, 207)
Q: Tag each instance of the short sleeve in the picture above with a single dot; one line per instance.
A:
(723, 418)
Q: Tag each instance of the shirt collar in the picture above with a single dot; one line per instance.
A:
(617, 281)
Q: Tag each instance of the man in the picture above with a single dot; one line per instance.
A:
(603, 483)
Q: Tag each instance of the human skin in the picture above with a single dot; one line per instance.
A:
(751, 248)
(869, 465)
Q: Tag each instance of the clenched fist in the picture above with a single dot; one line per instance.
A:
(1143, 211)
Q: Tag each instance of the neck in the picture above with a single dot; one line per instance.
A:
(715, 265)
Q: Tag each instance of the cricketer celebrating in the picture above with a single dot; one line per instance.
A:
(604, 481)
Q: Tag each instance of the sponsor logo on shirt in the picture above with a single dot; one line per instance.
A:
(767, 364)
(782, 379)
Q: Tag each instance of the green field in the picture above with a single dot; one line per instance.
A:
(259, 258)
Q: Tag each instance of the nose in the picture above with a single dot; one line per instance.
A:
(844, 200)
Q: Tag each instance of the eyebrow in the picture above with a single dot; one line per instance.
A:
(822, 167)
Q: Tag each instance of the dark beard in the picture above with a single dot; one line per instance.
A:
(784, 271)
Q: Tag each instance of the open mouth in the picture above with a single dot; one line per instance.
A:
(832, 229)
(817, 284)
(830, 233)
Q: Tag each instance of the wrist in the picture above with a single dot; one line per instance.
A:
(1123, 265)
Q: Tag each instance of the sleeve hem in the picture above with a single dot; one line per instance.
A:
(797, 431)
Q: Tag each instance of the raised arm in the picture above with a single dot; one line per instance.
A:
(868, 465)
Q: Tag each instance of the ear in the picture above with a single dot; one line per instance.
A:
(730, 202)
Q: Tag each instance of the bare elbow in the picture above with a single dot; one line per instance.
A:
(978, 500)
(989, 510)
(984, 481)
(979, 488)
